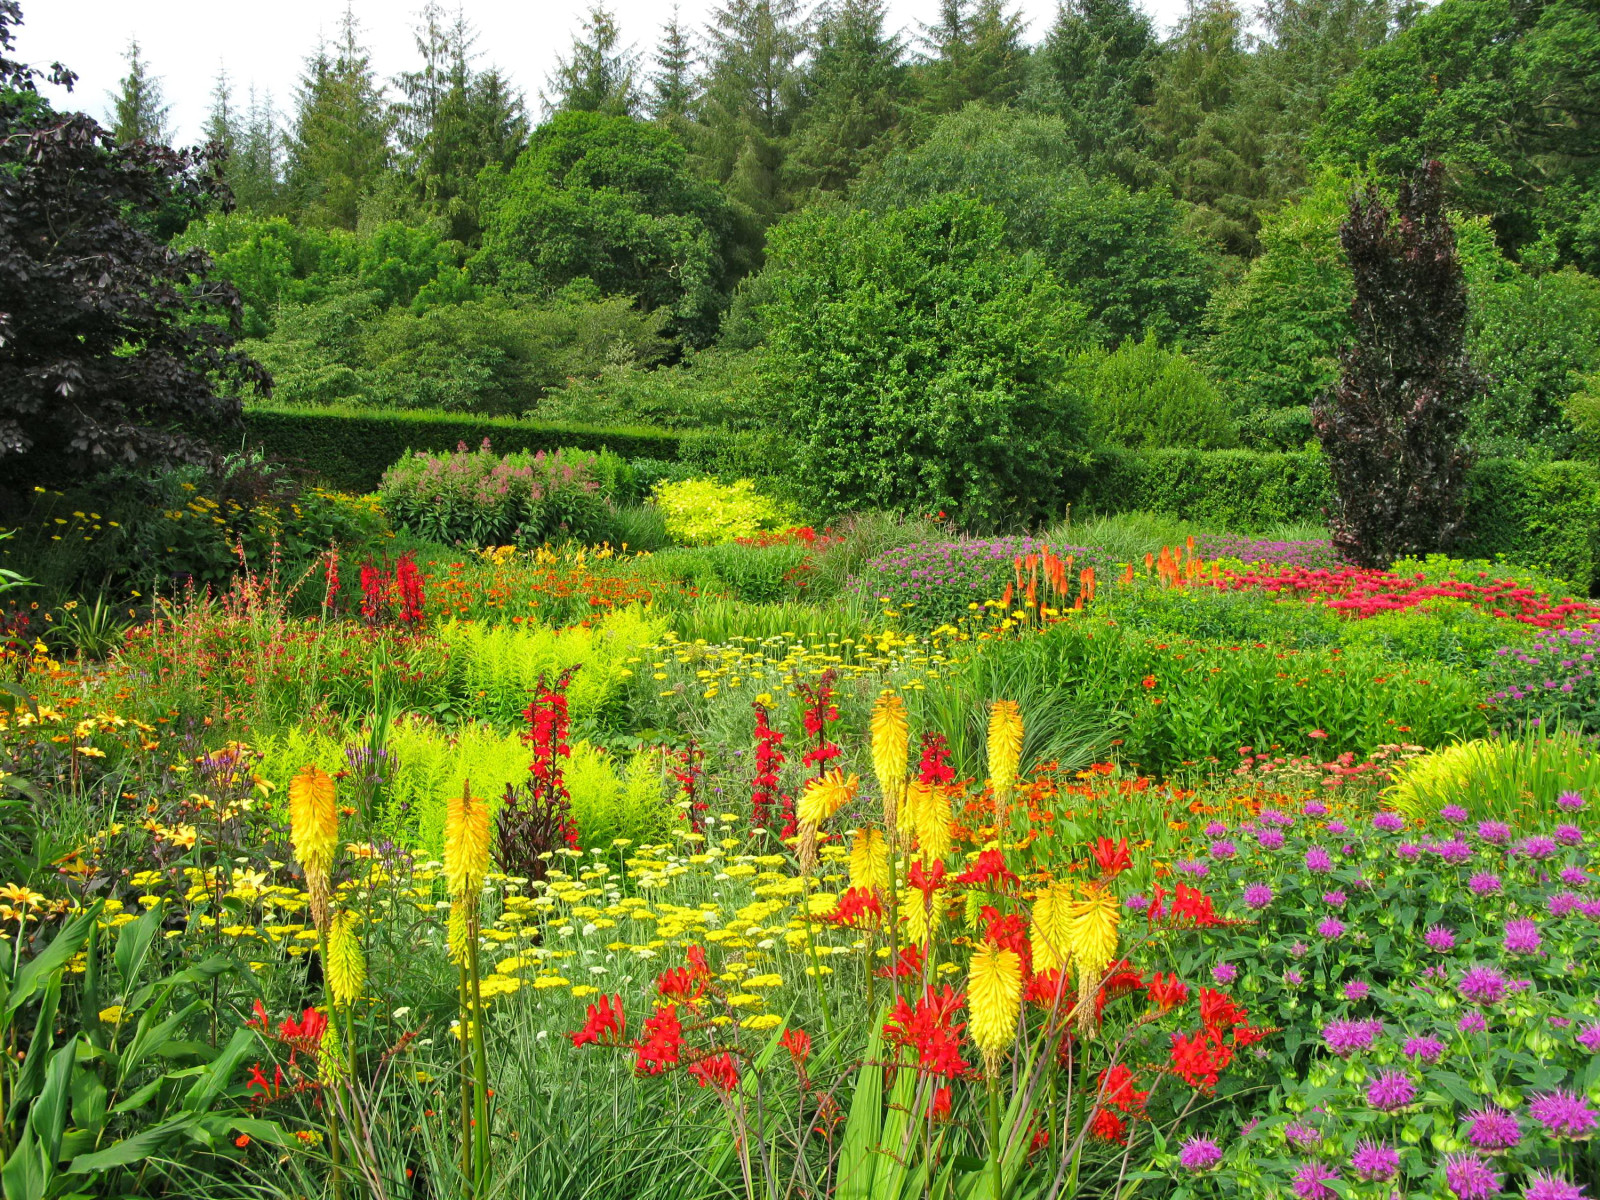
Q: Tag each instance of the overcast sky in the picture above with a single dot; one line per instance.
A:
(186, 41)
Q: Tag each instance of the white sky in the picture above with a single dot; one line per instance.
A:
(185, 41)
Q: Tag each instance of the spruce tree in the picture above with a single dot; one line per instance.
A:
(599, 75)
(138, 111)
(222, 123)
(340, 144)
(972, 54)
(673, 87)
(255, 169)
(1095, 70)
(855, 89)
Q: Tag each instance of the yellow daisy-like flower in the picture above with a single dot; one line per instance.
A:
(1051, 934)
(825, 796)
(347, 965)
(466, 844)
(890, 753)
(869, 861)
(1004, 745)
(994, 997)
(929, 808)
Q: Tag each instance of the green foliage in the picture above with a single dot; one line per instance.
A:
(1541, 515)
(718, 388)
(339, 147)
(351, 449)
(1494, 777)
(922, 366)
(1144, 395)
(480, 498)
(703, 511)
(1237, 490)
(611, 199)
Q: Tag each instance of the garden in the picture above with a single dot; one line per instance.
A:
(936, 664)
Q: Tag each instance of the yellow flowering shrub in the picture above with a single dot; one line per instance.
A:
(704, 512)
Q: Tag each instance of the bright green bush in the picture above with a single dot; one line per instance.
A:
(1499, 778)
(703, 511)
(1147, 396)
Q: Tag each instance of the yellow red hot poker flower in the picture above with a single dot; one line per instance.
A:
(1051, 934)
(890, 754)
(347, 964)
(1004, 747)
(994, 997)
(466, 844)
(1092, 940)
(928, 805)
(314, 832)
(869, 861)
(823, 796)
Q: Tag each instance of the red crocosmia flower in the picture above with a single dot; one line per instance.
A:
(717, 1072)
(907, 966)
(679, 983)
(1122, 981)
(1218, 1012)
(1045, 990)
(663, 1042)
(857, 908)
(939, 1110)
(1117, 1090)
(269, 1091)
(798, 1043)
(1167, 992)
(304, 1035)
(697, 962)
(1041, 1139)
(605, 1025)
(929, 1028)
(1112, 857)
(1249, 1035)
(926, 882)
(1200, 1058)
(1108, 1127)
(260, 1021)
(988, 869)
(1008, 932)
(1190, 907)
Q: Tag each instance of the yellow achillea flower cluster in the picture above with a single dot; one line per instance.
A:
(1004, 746)
(869, 861)
(347, 964)
(1051, 934)
(890, 754)
(314, 832)
(994, 997)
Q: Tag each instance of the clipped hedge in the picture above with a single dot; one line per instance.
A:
(351, 448)
(1542, 515)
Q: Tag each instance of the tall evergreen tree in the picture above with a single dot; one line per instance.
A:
(973, 54)
(600, 75)
(673, 87)
(222, 123)
(138, 110)
(752, 98)
(1095, 70)
(255, 169)
(856, 88)
(340, 144)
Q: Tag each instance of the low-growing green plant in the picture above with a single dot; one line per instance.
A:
(1501, 778)
(704, 511)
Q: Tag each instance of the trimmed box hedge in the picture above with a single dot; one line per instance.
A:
(1543, 515)
(351, 448)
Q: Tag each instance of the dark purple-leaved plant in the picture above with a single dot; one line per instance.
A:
(1392, 427)
(112, 346)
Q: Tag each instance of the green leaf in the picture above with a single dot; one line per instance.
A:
(51, 960)
(141, 1097)
(48, 1116)
(857, 1153)
(131, 1150)
(133, 945)
(26, 1173)
(214, 1080)
(31, 1077)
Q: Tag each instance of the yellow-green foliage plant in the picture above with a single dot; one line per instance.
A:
(494, 668)
(702, 512)
(1500, 778)
(610, 798)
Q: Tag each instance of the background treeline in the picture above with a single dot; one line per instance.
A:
(1140, 232)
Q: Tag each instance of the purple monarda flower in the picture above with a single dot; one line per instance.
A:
(1473, 1022)
(1544, 1186)
(1223, 848)
(1138, 902)
(1200, 1154)
(1564, 1114)
(1270, 839)
(1375, 1162)
(1424, 1049)
(1482, 883)
(1496, 832)
(1492, 1129)
(1538, 847)
(1346, 1037)
(1336, 899)
(1314, 808)
(1589, 1038)
(1318, 859)
(1470, 1178)
(1570, 801)
(1391, 1090)
(1311, 1182)
(1388, 822)
(1454, 813)
(1439, 939)
(1257, 895)
(1454, 851)
(1408, 850)
(1356, 989)
(1331, 928)
(1522, 936)
(1563, 904)
(1216, 829)
(1225, 973)
(1302, 1135)
(1483, 985)
(1574, 876)
(1193, 866)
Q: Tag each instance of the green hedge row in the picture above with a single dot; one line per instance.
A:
(1543, 515)
(351, 448)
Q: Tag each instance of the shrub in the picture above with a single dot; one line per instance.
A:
(484, 499)
(943, 582)
(1543, 515)
(1147, 396)
(703, 511)
(352, 448)
(1494, 779)
(922, 366)
(1550, 681)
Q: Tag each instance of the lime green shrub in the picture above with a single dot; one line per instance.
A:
(1500, 778)
(701, 511)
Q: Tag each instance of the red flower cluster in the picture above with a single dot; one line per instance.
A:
(547, 733)
(302, 1037)
(376, 585)
(1112, 858)
(1190, 908)
(688, 983)
(926, 881)
(1008, 932)
(857, 908)
(933, 767)
(1118, 1102)
(663, 1042)
(931, 1030)
(1200, 1058)
(764, 788)
(907, 966)
(685, 767)
(820, 712)
(988, 869)
(717, 1071)
(408, 584)
(1167, 992)
(605, 1026)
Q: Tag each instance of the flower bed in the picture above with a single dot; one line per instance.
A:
(945, 581)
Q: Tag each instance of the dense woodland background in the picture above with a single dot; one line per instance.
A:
(1139, 232)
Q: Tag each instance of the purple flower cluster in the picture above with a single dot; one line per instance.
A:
(1550, 678)
(1316, 555)
(943, 580)
(1345, 1038)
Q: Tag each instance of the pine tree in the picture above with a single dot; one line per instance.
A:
(340, 145)
(855, 96)
(599, 76)
(673, 88)
(255, 169)
(222, 123)
(137, 111)
(975, 55)
(752, 98)
(1094, 71)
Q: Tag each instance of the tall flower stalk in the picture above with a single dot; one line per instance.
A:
(890, 761)
(466, 862)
